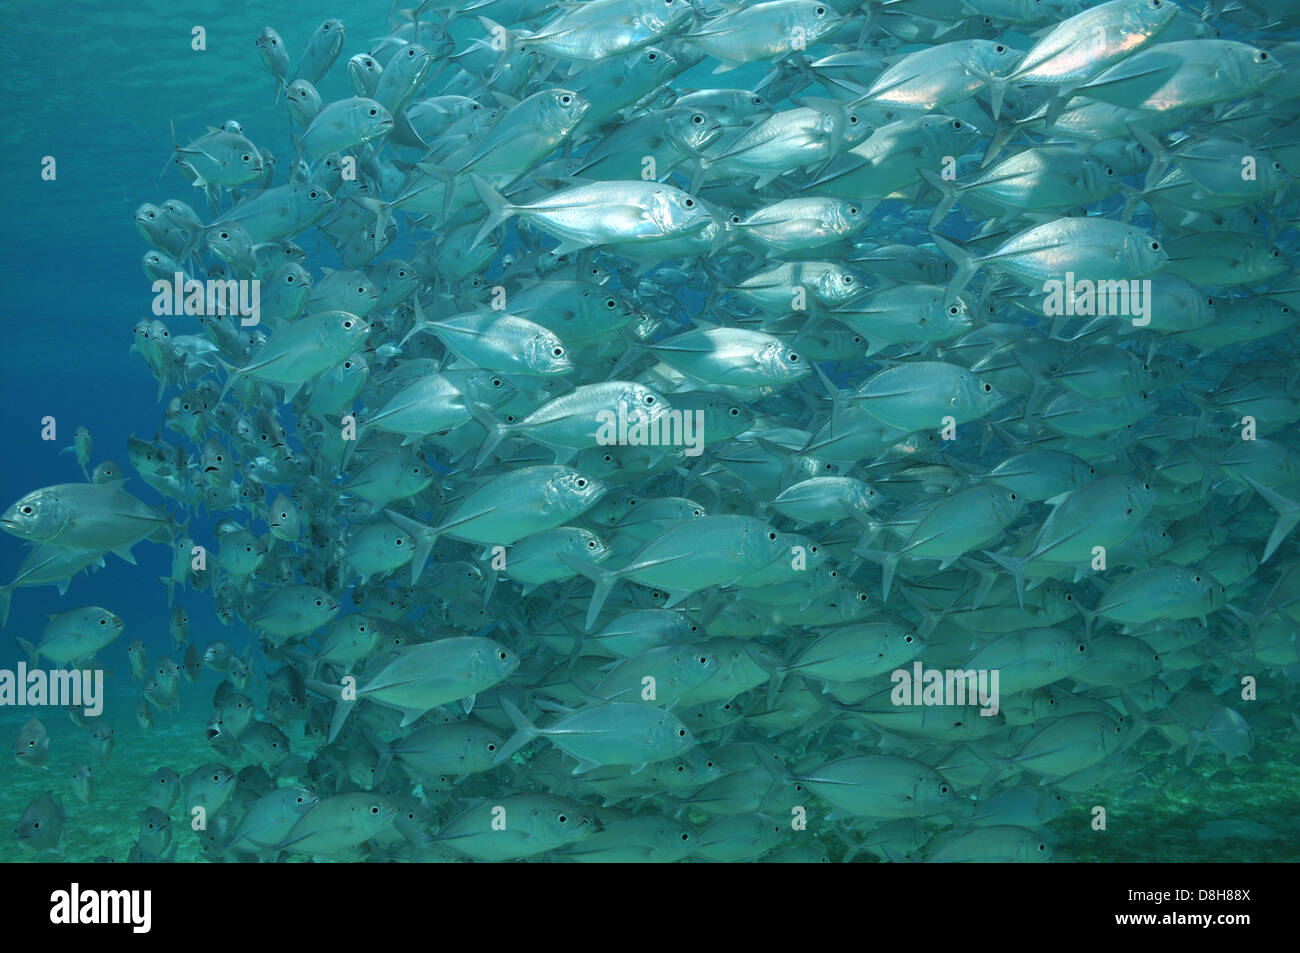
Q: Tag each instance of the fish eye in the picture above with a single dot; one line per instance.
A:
(772, 536)
(319, 603)
(954, 310)
(853, 210)
(649, 400)
(689, 203)
(1262, 56)
(792, 357)
(988, 388)
(105, 621)
(312, 194)
(820, 11)
(557, 351)
(956, 123)
(652, 56)
(735, 219)
(699, 120)
(704, 660)
(1155, 246)
(347, 325)
(27, 510)
(502, 656)
(999, 48)
(565, 100)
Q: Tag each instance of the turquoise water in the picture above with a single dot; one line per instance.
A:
(102, 101)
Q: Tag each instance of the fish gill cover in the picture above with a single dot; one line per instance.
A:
(652, 430)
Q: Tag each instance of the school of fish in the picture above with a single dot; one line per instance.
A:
(597, 524)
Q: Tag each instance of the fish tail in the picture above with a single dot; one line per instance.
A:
(947, 191)
(997, 766)
(771, 800)
(578, 637)
(1088, 616)
(349, 448)
(342, 709)
(175, 149)
(1288, 514)
(383, 750)
(525, 731)
(851, 847)
(1159, 154)
(497, 30)
(421, 323)
(499, 210)
(490, 578)
(997, 142)
(380, 209)
(888, 563)
(966, 264)
(837, 399)
(1141, 724)
(997, 91)
(33, 656)
(425, 538)
(1132, 197)
(604, 580)
(1016, 566)
(496, 432)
